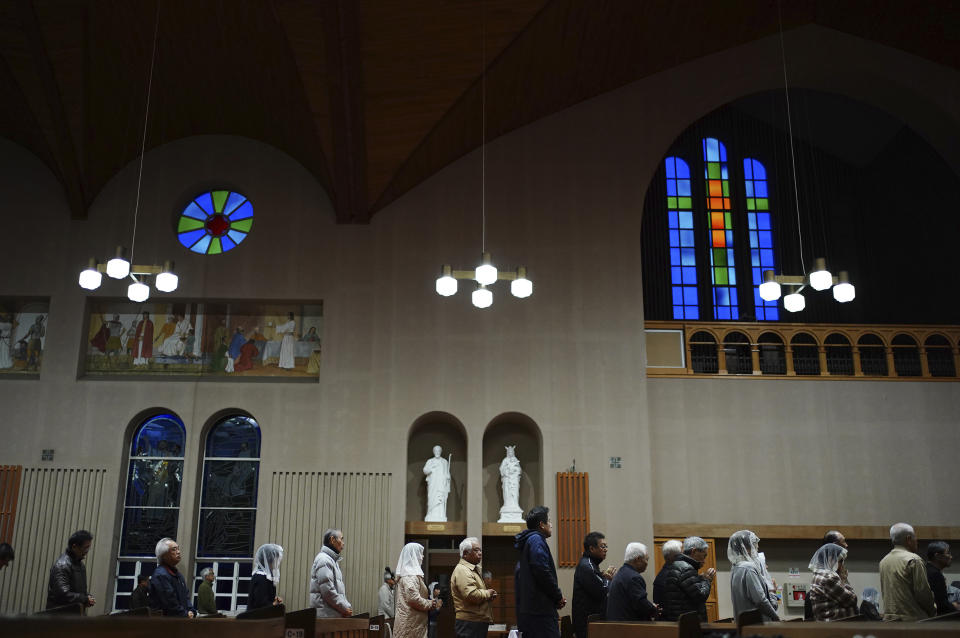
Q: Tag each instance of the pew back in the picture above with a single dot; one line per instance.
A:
(642, 630)
(137, 627)
(851, 629)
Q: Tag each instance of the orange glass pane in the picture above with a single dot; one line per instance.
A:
(719, 239)
(716, 187)
(715, 203)
(716, 221)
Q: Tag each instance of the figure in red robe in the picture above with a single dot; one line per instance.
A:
(99, 340)
(143, 341)
(247, 352)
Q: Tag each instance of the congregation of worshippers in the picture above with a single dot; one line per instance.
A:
(912, 585)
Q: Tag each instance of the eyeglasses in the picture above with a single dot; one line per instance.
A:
(602, 546)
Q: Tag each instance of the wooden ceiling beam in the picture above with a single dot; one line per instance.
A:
(341, 30)
(63, 147)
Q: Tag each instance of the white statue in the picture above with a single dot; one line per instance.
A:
(437, 470)
(510, 477)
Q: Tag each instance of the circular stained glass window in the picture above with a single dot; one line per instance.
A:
(215, 222)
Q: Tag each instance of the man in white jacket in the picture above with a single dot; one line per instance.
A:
(327, 592)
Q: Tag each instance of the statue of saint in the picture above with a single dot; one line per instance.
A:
(510, 478)
(437, 470)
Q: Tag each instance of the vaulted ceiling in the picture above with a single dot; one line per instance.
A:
(371, 96)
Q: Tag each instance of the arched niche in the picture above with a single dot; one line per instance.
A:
(512, 428)
(445, 430)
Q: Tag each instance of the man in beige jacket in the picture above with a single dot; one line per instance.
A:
(471, 598)
(903, 579)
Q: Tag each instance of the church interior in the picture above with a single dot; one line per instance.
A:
(297, 194)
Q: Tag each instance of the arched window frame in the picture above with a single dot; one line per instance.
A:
(144, 458)
(232, 569)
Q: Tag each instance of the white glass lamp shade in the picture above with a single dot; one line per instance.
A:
(482, 298)
(166, 280)
(794, 302)
(138, 292)
(118, 267)
(769, 289)
(485, 273)
(521, 286)
(446, 284)
(90, 277)
(843, 290)
(820, 278)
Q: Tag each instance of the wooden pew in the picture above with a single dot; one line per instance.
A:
(342, 627)
(851, 629)
(137, 627)
(607, 629)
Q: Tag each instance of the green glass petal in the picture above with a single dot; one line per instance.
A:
(243, 225)
(187, 223)
(219, 199)
(672, 203)
(762, 203)
(686, 203)
(713, 170)
(214, 247)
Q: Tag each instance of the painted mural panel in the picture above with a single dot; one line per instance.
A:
(23, 333)
(220, 340)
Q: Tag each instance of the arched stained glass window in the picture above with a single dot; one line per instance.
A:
(723, 272)
(215, 222)
(760, 233)
(151, 507)
(228, 508)
(683, 259)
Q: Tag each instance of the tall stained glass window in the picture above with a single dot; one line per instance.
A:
(683, 260)
(228, 508)
(723, 272)
(761, 234)
(151, 507)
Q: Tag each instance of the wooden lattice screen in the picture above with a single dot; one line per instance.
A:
(573, 515)
(9, 491)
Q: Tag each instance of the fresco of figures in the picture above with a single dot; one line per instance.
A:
(23, 331)
(221, 340)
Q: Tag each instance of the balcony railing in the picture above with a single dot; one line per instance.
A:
(835, 351)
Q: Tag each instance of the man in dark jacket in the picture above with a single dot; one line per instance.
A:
(938, 559)
(68, 576)
(140, 596)
(589, 583)
(168, 591)
(535, 579)
(684, 589)
(627, 597)
(671, 549)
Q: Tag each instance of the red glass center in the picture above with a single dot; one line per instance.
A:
(217, 225)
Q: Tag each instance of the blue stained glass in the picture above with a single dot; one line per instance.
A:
(733, 296)
(236, 236)
(761, 188)
(721, 296)
(678, 295)
(723, 151)
(675, 275)
(759, 172)
(773, 313)
(755, 258)
(234, 437)
(188, 239)
(689, 296)
(686, 219)
(748, 187)
(732, 276)
(205, 202)
(757, 277)
(690, 275)
(748, 168)
(693, 313)
(683, 188)
(711, 152)
(723, 312)
(671, 187)
(729, 235)
(162, 435)
(674, 255)
(723, 170)
(202, 245)
(226, 244)
(686, 238)
(766, 239)
(678, 312)
(194, 211)
(753, 240)
(246, 210)
(766, 258)
(234, 200)
(689, 257)
(674, 238)
(672, 218)
(751, 221)
(669, 164)
(763, 221)
(682, 169)
(758, 302)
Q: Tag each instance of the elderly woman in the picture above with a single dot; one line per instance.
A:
(748, 577)
(831, 596)
(266, 575)
(206, 599)
(412, 597)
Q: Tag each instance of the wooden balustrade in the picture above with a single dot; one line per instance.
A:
(802, 351)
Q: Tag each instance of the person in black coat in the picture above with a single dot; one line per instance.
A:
(627, 596)
(870, 604)
(589, 583)
(938, 559)
(671, 549)
(535, 579)
(140, 597)
(266, 575)
(168, 590)
(684, 589)
(68, 575)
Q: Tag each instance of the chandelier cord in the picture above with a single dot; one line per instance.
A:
(793, 155)
(143, 141)
(483, 128)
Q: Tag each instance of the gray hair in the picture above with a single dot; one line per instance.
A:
(466, 545)
(900, 532)
(330, 533)
(205, 571)
(671, 549)
(634, 551)
(487, 574)
(163, 546)
(691, 543)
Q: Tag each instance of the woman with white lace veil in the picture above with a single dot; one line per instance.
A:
(266, 575)
(413, 600)
(831, 596)
(748, 586)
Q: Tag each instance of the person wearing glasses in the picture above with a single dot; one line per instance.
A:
(589, 583)
(938, 559)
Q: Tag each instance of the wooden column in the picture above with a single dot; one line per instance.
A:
(822, 352)
(573, 515)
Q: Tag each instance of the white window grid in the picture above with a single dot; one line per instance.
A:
(225, 586)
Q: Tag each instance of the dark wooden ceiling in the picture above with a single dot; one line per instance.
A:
(371, 96)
